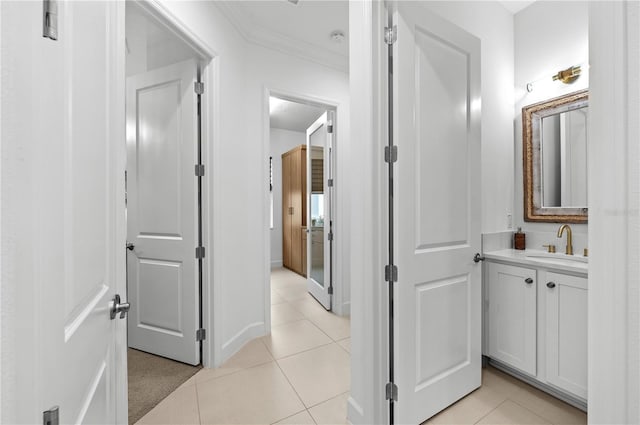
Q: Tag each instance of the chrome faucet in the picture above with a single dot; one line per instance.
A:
(569, 250)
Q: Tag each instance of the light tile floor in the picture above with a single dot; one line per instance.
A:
(300, 374)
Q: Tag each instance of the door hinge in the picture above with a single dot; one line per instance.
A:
(390, 154)
(330, 237)
(50, 19)
(391, 273)
(198, 87)
(51, 416)
(201, 334)
(199, 170)
(330, 182)
(330, 128)
(391, 390)
(330, 290)
(199, 252)
(390, 34)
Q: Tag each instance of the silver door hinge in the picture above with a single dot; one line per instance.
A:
(330, 237)
(201, 334)
(391, 391)
(51, 416)
(390, 154)
(330, 182)
(199, 170)
(330, 128)
(390, 34)
(50, 19)
(391, 273)
(199, 252)
(198, 87)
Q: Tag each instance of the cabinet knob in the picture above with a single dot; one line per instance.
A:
(551, 285)
(528, 281)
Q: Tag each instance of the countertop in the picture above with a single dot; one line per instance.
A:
(538, 258)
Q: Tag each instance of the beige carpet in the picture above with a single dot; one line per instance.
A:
(151, 379)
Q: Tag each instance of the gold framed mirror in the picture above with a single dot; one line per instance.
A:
(554, 136)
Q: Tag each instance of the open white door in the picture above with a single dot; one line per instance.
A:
(65, 213)
(436, 107)
(162, 275)
(319, 207)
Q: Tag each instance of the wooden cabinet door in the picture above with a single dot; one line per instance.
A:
(566, 348)
(286, 210)
(296, 216)
(513, 316)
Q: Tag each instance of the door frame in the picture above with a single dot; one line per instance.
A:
(209, 74)
(328, 105)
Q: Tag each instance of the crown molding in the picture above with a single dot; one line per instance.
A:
(254, 33)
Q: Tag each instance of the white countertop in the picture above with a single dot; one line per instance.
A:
(538, 258)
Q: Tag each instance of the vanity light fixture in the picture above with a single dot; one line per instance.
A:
(568, 75)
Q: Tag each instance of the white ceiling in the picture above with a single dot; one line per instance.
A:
(303, 29)
(292, 116)
(515, 6)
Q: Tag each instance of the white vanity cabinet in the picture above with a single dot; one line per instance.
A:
(513, 316)
(566, 332)
(536, 321)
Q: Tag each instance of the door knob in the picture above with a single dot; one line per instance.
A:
(477, 258)
(130, 246)
(528, 281)
(551, 285)
(118, 307)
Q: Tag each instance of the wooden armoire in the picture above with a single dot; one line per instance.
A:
(294, 209)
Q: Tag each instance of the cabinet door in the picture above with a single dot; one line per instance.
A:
(296, 213)
(566, 300)
(512, 316)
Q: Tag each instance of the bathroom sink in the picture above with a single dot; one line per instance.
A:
(557, 258)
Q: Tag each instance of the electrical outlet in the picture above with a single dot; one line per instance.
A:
(509, 220)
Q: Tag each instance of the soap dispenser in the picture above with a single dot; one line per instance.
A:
(519, 239)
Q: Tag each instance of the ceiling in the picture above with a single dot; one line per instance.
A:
(303, 29)
(516, 6)
(288, 115)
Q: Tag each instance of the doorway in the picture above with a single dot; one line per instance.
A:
(163, 209)
(301, 182)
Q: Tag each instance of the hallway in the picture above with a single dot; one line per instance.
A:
(299, 374)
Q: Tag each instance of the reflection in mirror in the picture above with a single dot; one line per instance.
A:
(564, 159)
(555, 159)
(317, 208)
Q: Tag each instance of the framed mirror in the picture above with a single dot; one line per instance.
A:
(554, 134)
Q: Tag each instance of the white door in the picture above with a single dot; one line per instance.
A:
(162, 275)
(319, 208)
(67, 224)
(436, 110)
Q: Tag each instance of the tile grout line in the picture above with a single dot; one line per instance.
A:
(292, 387)
(493, 410)
(535, 413)
(195, 384)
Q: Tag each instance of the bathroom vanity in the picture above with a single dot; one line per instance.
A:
(535, 319)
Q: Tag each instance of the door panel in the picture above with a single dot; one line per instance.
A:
(437, 131)
(162, 212)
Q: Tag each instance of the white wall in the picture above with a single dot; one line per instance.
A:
(281, 141)
(237, 184)
(538, 55)
(285, 74)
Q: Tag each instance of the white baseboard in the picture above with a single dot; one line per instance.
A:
(276, 264)
(234, 345)
(346, 308)
(355, 414)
